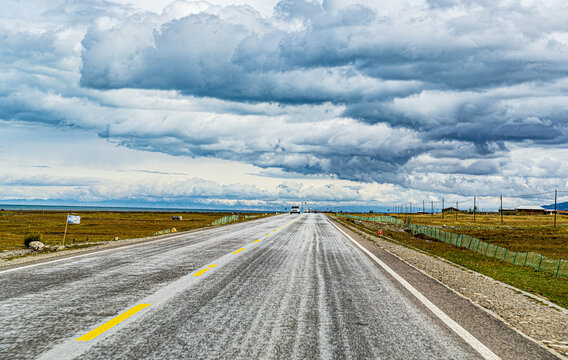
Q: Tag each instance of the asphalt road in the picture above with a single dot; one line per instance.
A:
(289, 286)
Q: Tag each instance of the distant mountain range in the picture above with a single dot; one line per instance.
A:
(559, 206)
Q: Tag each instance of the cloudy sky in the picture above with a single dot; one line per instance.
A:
(259, 104)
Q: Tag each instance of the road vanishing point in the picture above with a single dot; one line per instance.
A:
(282, 287)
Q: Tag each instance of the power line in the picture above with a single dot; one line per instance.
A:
(529, 195)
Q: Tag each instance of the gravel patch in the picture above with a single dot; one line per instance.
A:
(537, 318)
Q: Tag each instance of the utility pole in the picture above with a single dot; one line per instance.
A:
(501, 209)
(555, 197)
(443, 209)
(423, 208)
(474, 209)
(457, 209)
(432, 208)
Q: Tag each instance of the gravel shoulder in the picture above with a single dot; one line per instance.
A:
(543, 322)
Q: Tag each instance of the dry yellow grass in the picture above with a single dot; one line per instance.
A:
(96, 226)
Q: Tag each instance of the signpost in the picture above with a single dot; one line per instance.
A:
(71, 219)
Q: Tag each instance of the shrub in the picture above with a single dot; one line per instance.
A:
(31, 237)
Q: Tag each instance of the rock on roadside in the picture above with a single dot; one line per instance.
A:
(36, 245)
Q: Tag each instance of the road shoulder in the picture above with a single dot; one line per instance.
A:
(464, 295)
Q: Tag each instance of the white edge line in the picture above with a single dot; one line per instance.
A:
(460, 331)
(489, 312)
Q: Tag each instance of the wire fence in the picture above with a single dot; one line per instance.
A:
(538, 262)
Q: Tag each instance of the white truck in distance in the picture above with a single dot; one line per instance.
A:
(294, 209)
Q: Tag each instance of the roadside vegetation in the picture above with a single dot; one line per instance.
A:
(16, 226)
(540, 283)
(517, 232)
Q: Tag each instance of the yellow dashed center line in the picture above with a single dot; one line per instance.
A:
(202, 271)
(257, 240)
(267, 234)
(112, 323)
(237, 251)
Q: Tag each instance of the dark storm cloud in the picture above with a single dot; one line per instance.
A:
(355, 57)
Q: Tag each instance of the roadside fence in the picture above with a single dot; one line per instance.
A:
(538, 262)
(231, 218)
(167, 231)
(225, 220)
(387, 219)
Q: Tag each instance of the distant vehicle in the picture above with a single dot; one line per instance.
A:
(295, 209)
(306, 211)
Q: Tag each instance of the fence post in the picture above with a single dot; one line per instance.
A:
(555, 197)
(478, 244)
(486, 249)
(501, 208)
(539, 262)
(515, 259)
(495, 254)
(457, 209)
(474, 206)
(505, 256)
(558, 268)
(526, 257)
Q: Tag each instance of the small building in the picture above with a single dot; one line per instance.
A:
(176, 217)
(532, 210)
(452, 209)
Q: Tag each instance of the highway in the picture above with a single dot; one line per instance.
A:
(287, 286)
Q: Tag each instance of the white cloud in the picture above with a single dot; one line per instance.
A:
(430, 97)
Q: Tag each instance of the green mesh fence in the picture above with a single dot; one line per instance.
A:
(387, 219)
(231, 218)
(167, 231)
(538, 262)
(225, 220)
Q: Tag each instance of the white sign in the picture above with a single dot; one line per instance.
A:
(73, 219)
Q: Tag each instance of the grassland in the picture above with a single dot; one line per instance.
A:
(94, 226)
(517, 232)
(543, 284)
